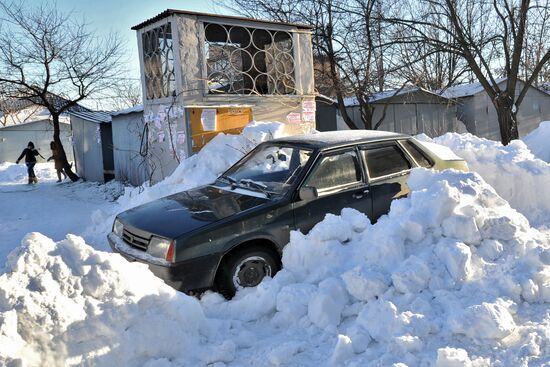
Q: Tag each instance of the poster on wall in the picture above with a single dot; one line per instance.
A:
(208, 119)
(98, 134)
(294, 118)
(308, 116)
(161, 137)
(309, 106)
(181, 137)
(158, 124)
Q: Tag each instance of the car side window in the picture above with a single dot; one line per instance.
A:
(335, 171)
(384, 160)
(417, 154)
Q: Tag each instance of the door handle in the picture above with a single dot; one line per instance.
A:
(359, 195)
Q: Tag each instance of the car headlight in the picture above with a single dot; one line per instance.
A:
(161, 248)
(118, 228)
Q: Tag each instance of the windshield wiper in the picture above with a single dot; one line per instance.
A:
(253, 184)
(231, 181)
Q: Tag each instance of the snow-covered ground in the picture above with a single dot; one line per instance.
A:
(53, 209)
(453, 276)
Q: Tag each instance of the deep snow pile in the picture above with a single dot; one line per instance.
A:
(512, 170)
(65, 303)
(538, 141)
(451, 277)
(200, 169)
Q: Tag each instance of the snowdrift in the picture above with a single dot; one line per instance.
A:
(512, 170)
(65, 303)
(538, 141)
(17, 173)
(453, 276)
(200, 169)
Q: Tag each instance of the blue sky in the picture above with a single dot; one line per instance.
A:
(120, 15)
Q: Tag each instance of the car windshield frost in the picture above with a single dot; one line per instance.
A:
(270, 169)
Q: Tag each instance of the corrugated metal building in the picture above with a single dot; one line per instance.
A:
(14, 138)
(476, 111)
(205, 73)
(409, 110)
(93, 145)
(130, 148)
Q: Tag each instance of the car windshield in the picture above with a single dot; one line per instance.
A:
(271, 169)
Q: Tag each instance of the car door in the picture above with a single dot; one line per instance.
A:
(388, 168)
(340, 181)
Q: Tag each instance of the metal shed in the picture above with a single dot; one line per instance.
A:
(14, 138)
(410, 110)
(130, 146)
(93, 145)
(204, 73)
(477, 112)
(327, 115)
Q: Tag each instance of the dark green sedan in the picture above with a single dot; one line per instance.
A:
(231, 233)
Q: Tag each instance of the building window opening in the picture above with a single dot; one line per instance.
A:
(158, 60)
(242, 60)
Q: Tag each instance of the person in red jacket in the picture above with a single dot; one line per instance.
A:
(30, 160)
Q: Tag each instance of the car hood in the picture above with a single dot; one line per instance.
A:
(177, 214)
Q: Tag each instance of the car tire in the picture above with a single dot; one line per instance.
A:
(246, 268)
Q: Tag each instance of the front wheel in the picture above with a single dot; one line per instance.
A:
(246, 268)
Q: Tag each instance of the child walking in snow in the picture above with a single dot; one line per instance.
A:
(30, 160)
(57, 161)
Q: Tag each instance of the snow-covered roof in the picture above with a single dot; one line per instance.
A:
(98, 117)
(465, 90)
(138, 108)
(377, 97)
(61, 121)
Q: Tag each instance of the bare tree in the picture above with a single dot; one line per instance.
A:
(490, 36)
(424, 65)
(51, 59)
(125, 94)
(16, 111)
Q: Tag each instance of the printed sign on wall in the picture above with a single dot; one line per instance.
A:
(161, 137)
(181, 137)
(98, 134)
(208, 119)
(308, 116)
(294, 118)
(309, 106)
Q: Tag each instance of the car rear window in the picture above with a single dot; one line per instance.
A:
(417, 154)
(335, 170)
(385, 160)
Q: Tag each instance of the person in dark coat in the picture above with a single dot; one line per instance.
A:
(57, 161)
(30, 160)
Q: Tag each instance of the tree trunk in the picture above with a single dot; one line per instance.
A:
(60, 150)
(507, 121)
(366, 115)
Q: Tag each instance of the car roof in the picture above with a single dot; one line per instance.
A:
(330, 139)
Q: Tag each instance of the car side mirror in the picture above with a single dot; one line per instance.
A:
(308, 193)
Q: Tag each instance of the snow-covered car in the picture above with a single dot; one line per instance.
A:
(231, 233)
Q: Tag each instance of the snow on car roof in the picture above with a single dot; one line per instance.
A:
(330, 138)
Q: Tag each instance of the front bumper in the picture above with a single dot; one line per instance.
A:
(193, 274)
